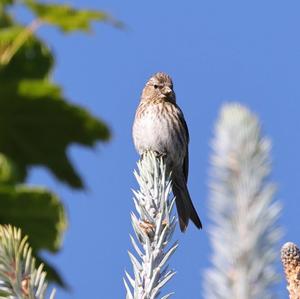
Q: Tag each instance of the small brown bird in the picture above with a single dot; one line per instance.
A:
(159, 126)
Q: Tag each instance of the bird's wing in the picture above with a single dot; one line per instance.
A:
(186, 165)
(186, 159)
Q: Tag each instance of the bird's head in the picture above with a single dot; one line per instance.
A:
(159, 86)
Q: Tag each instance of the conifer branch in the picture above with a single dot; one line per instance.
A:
(245, 233)
(153, 225)
(19, 277)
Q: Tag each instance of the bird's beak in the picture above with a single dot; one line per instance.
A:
(167, 90)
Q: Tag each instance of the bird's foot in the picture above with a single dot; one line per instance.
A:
(165, 222)
(156, 153)
(160, 155)
(148, 228)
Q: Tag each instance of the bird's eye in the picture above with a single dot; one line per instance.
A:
(155, 86)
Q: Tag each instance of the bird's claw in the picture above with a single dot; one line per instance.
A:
(147, 227)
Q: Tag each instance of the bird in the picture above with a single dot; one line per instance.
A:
(159, 126)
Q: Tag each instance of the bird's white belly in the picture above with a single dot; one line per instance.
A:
(156, 133)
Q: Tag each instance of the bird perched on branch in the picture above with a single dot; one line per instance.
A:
(160, 126)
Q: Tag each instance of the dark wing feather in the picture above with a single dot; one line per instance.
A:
(185, 207)
(186, 165)
(186, 159)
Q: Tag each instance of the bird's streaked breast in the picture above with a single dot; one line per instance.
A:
(157, 127)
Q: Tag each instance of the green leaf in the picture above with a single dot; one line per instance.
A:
(37, 125)
(38, 212)
(5, 19)
(33, 60)
(9, 172)
(66, 17)
(37, 130)
(6, 2)
(38, 88)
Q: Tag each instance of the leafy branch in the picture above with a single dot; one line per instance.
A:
(37, 123)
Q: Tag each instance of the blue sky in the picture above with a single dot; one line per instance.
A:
(216, 52)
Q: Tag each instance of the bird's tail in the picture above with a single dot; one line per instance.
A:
(184, 204)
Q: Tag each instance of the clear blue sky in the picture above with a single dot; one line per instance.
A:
(216, 51)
